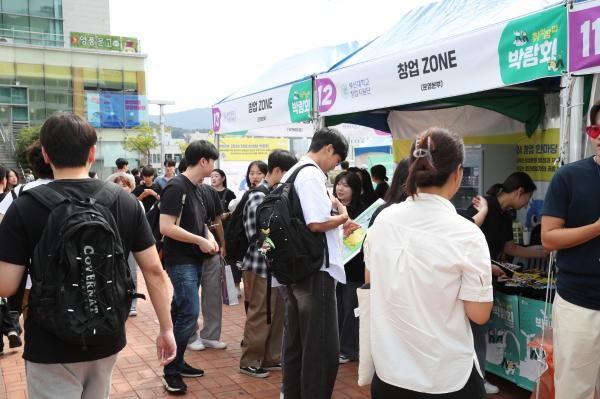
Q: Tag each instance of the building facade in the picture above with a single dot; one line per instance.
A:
(58, 55)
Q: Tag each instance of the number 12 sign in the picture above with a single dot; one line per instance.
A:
(584, 37)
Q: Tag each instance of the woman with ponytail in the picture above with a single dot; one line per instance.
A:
(430, 273)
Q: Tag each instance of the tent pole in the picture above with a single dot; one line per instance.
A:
(576, 120)
(218, 145)
(318, 120)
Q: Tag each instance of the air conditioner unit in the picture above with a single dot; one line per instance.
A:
(7, 40)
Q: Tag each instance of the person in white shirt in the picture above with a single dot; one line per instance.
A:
(430, 273)
(311, 339)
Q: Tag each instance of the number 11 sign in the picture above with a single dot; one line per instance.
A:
(584, 37)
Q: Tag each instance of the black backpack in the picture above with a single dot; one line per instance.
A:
(292, 251)
(236, 241)
(81, 284)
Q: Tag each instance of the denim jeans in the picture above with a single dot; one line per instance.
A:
(311, 339)
(185, 309)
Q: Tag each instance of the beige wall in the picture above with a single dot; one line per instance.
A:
(89, 16)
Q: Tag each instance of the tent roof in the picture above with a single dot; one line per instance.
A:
(296, 68)
(441, 20)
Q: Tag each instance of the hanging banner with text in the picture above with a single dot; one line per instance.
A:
(280, 106)
(249, 149)
(519, 51)
(584, 36)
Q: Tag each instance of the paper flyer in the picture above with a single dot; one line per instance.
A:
(352, 244)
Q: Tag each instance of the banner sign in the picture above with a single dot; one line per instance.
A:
(249, 149)
(534, 47)
(584, 36)
(503, 344)
(352, 245)
(519, 51)
(279, 106)
(104, 42)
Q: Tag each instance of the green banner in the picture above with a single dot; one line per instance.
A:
(534, 47)
(300, 101)
(504, 346)
(531, 323)
(104, 42)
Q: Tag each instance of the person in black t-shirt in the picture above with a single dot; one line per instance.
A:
(513, 194)
(571, 226)
(218, 180)
(188, 242)
(147, 192)
(347, 188)
(379, 177)
(55, 367)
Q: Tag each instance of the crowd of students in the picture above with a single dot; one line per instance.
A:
(428, 266)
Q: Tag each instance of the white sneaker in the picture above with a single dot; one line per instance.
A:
(197, 345)
(210, 343)
(490, 389)
(193, 338)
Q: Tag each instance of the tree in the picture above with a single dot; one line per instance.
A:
(142, 143)
(27, 136)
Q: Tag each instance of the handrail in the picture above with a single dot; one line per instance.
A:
(16, 34)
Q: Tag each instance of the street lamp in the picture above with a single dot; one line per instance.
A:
(161, 104)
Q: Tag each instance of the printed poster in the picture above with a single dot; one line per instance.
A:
(352, 244)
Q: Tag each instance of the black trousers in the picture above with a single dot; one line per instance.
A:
(311, 343)
(472, 390)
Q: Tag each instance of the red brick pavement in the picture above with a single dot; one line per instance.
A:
(137, 373)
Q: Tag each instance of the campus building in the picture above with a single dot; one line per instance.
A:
(58, 55)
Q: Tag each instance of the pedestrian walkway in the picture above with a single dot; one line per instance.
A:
(137, 373)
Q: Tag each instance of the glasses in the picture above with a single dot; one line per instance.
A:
(593, 131)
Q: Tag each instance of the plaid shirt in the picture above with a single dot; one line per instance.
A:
(253, 260)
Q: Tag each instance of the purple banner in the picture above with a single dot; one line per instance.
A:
(584, 38)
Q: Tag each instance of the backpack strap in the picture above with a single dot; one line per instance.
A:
(46, 196)
(292, 178)
(107, 194)
(21, 189)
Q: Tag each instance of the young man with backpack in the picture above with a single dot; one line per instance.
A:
(187, 243)
(261, 348)
(74, 235)
(311, 339)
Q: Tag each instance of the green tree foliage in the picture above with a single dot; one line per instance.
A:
(142, 143)
(27, 136)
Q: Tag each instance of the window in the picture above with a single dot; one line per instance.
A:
(42, 8)
(18, 95)
(15, 6)
(19, 114)
(130, 81)
(5, 95)
(18, 27)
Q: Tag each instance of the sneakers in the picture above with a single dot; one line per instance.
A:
(344, 359)
(257, 372)
(490, 389)
(275, 367)
(191, 372)
(14, 340)
(213, 343)
(174, 384)
(197, 345)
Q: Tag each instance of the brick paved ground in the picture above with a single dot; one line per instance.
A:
(137, 373)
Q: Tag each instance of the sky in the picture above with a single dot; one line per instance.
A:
(201, 51)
